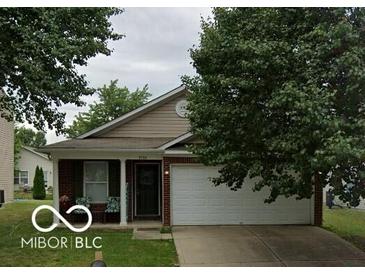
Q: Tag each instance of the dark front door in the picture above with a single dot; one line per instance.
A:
(147, 189)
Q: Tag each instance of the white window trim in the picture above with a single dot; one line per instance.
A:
(95, 182)
(20, 177)
(44, 177)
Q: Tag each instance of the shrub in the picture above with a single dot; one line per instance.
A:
(39, 192)
(165, 229)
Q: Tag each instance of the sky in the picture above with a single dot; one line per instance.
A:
(154, 52)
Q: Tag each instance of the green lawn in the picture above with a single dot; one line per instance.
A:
(347, 223)
(118, 247)
(28, 195)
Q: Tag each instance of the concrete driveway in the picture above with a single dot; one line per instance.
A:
(263, 246)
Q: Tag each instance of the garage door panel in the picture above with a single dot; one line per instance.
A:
(196, 201)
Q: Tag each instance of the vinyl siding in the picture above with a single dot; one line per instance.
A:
(159, 122)
(29, 161)
(7, 159)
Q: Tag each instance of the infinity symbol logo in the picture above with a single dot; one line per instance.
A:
(59, 216)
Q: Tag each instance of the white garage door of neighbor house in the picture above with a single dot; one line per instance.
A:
(196, 201)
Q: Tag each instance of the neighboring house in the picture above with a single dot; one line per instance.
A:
(7, 159)
(141, 157)
(338, 202)
(29, 159)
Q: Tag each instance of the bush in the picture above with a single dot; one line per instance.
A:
(39, 192)
(165, 229)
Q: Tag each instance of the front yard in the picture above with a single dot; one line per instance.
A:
(21, 195)
(347, 223)
(117, 245)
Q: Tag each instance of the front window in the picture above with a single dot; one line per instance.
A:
(96, 181)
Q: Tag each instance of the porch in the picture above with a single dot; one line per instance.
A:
(136, 224)
(135, 183)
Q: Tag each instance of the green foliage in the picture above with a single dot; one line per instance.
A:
(39, 191)
(280, 95)
(40, 51)
(26, 137)
(113, 102)
(17, 148)
(29, 137)
(165, 230)
(113, 205)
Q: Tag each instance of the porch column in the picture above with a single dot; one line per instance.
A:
(123, 193)
(56, 203)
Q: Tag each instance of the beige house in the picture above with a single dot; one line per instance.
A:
(142, 159)
(28, 161)
(7, 159)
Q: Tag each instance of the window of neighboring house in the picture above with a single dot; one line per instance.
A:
(96, 181)
(24, 177)
(21, 177)
(45, 176)
(16, 177)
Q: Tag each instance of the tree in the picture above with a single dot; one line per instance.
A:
(29, 137)
(39, 191)
(40, 51)
(113, 102)
(280, 96)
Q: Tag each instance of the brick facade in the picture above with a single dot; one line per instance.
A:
(70, 180)
(65, 173)
(71, 184)
(129, 180)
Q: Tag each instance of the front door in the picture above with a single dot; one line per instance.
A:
(147, 189)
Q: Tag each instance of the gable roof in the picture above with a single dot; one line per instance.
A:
(31, 150)
(177, 140)
(135, 113)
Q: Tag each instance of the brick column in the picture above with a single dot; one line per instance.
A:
(166, 192)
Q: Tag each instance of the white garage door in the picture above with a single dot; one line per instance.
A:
(196, 201)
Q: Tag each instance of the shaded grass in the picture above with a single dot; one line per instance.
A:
(347, 223)
(117, 245)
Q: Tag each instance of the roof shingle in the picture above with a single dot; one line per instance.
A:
(108, 143)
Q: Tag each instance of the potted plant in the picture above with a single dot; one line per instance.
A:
(65, 203)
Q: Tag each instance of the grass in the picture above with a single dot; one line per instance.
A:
(21, 195)
(347, 223)
(165, 229)
(117, 245)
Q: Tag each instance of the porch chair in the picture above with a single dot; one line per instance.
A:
(112, 206)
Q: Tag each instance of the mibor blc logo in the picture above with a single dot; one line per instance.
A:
(59, 216)
(55, 242)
